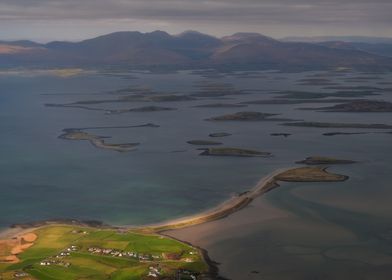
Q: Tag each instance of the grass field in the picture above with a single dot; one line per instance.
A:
(129, 255)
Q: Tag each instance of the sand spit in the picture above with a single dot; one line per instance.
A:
(301, 174)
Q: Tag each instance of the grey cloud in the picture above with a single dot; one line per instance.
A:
(283, 10)
(246, 14)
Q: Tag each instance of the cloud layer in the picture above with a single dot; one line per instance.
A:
(75, 19)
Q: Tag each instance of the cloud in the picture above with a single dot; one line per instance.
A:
(213, 16)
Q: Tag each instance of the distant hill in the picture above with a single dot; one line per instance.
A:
(374, 45)
(192, 49)
(21, 43)
(351, 39)
(383, 49)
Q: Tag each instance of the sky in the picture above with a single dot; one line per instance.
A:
(72, 20)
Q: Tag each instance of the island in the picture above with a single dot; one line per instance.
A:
(220, 105)
(359, 106)
(167, 98)
(296, 101)
(320, 95)
(97, 141)
(354, 88)
(234, 152)
(315, 160)
(74, 106)
(219, 134)
(344, 133)
(112, 111)
(247, 116)
(124, 99)
(315, 82)
(310, 174)
(135, 90)
(152, 125)
(217, 90)
(203, 142)
(338, 125)
(281, 134)
(140, 110)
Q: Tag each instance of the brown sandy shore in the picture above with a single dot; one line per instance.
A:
(234, 204)
(17, 235)
(11, 248)
(228, 207)
(301, 174)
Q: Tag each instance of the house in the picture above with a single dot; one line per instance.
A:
(20, 274)
(152, 274)
(45, 263)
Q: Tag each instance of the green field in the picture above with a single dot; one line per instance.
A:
(129, 255)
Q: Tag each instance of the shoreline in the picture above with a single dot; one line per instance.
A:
(224, 209)
(221, 211)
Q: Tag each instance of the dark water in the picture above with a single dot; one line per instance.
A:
(299, 231)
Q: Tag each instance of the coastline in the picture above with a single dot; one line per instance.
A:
(224, 209)
(221, 211)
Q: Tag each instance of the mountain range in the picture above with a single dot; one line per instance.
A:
(192, 49)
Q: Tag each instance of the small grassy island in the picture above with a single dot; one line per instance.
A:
(140, 110)
(359, 106)
(339, 125)
(124, 99)
(246, 116)
(113, 111)
(220, 105)
(344, 133)
(324, 160)
(234, 152)
(171, 98)
(215, 90)
(310, 174)
(296, 101)
(315, 82)
(318, 95)
(203, 142)
(58, 252)
(97, 141)
(281, 134)
(219, 134)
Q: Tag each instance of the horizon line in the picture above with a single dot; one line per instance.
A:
(5, 40)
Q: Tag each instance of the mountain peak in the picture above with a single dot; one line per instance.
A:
(198, 39)
(187, 32)
(194, 34)
(248, 37)
(159, 33)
